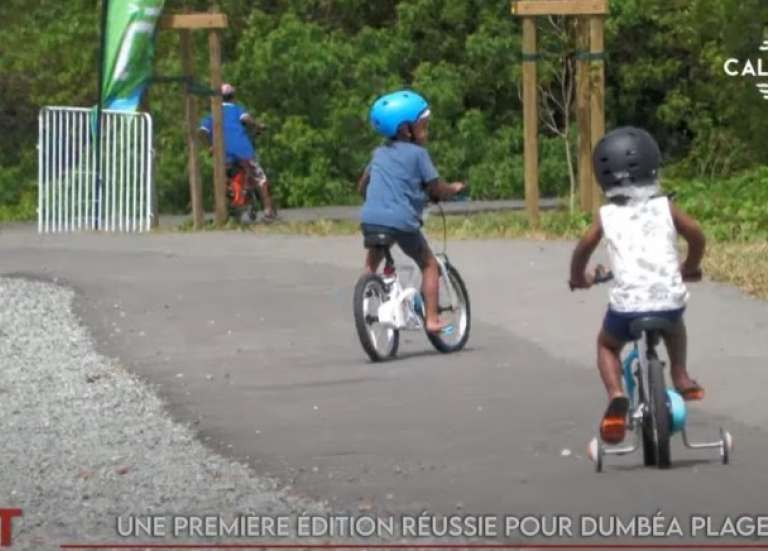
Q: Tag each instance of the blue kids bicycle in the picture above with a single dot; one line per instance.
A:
(656, 412)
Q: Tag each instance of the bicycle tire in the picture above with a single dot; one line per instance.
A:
(362, 324)
(649, 442)
(437, 341)
(660, 412)
(646, 423)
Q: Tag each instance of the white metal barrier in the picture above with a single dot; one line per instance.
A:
(72, 194)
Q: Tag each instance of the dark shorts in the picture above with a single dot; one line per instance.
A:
(412, 243)
(616, 324)
(257, 172)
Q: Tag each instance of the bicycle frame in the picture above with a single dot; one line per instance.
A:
(644, 349)
(398, 311)
(638, 401)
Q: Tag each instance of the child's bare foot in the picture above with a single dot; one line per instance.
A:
(692, 392)
(436, 326)
(688, 388)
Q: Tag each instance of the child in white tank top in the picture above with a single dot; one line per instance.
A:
(640, 227)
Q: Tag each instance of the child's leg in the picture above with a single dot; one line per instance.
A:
(262, 188)
(430, 287)
(609, 363)
(613, 426)
(676, 342)
(245, 166)
(265, 197)
(372, 260)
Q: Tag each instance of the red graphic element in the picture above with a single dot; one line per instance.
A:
(405, 546)
(5, 525)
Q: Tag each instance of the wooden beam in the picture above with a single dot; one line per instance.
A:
(530, 8)
(597, 93)
(530, 121)
(582, 116)
(219, 171)
(190, 117)
(203, 20)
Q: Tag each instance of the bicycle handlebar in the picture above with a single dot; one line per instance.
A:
(602, 275)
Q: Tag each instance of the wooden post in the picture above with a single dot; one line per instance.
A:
(190, 117)
(219, 172)
(583, 116)
(530, 121)
(597, 92)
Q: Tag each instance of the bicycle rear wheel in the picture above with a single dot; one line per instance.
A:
(454, 308)
(662, 426)
(380, 342)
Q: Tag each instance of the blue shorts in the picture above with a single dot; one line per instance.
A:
(616, 324)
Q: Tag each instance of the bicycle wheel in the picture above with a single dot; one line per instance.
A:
(453, 307)
(649, 441)
(657, 393)
(646, 423)
(379, 341)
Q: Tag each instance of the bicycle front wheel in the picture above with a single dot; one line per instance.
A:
(662, 425)
(379, 341)
(454, 309)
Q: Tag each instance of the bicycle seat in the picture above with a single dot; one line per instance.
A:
(378, 239)
(650, 323)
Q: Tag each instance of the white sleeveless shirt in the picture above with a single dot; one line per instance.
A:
(641, 241)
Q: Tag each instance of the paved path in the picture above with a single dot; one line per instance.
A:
(251, 338)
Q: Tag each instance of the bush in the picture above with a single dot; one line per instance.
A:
(730, 208)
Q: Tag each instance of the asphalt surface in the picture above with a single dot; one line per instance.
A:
(251, 339)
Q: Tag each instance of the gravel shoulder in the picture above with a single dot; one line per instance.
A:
(85, 441)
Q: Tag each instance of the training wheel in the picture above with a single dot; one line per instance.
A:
(595, 452)
(726, 446)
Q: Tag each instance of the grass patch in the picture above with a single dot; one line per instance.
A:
(489, 225)
(742, 263)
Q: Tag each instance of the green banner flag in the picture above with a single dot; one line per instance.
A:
(129, 49)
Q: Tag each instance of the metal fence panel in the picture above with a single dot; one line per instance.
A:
(72, 194)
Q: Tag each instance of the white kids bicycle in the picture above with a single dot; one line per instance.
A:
(383, 306)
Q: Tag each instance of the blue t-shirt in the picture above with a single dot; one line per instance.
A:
(237, 145)
(395, 195)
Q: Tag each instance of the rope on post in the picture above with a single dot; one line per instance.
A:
(589, 56)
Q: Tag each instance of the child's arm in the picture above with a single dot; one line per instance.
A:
(691, 232)
(362, 183)
(584, 249)
(249, 122)
(439, 190)
(204, 137)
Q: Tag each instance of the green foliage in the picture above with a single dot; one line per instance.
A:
(732, 209)
(311, 68)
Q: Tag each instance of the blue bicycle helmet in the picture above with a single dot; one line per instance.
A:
(391, 110)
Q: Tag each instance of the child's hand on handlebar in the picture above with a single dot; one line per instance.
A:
(456, 187)
(583, 282)
(600, 275)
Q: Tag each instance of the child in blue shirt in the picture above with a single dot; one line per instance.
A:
(397, 183)
(237, 145)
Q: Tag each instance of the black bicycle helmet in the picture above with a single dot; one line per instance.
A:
(626, 156)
